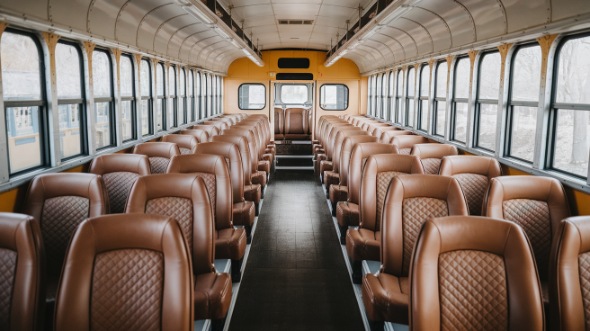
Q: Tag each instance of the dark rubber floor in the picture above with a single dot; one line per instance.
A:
(295, 278)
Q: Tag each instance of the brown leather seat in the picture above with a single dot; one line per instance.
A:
(23, 274)
(230, 243)
(219, 124)
(431, 155)
(184, 197)
(364, 242)
(201, 135)
(411, 200)
(158, 153)
(347, 212)
(264, 121)
(387, 136)
(187, 144)
(126, 272)
(211, 130)
(265, 152)
(569, 275)
(257, 176)
(331, 177)
(474, 273)
(59, 202)
(243, 210)
(473, 174)
(297, 126)
(339, 192)
(279, 129)
(404, 143)
(252, 192)
(321, 155)
(119, 172)
(325, 160)
(537, 204)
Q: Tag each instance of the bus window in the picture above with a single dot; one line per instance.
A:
(524, 102)
(147, 102)
(571, 108)
(398, 96)
(127, 99)
(440, 98)
(334, 97)
(103, 99)
(24, 103)
(460, 100)
(172, 116)
(424, 93)
(160, 92)
(410, 91)
(486, 107)
(251, 96)
(68, 63)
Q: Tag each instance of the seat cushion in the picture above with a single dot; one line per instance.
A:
(253, 192)
(338, 193)
(347, 213)
(259, 177)
(331, 178)
(264, 165)
(212, 295)
(244, 213)
(386, 297)
(363, 244)
(230, 243)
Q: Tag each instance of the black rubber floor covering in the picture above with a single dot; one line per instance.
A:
(295, 278)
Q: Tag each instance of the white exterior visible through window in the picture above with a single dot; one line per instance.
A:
(251, 96)
(334, 97)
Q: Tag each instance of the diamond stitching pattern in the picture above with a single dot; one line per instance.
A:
(7, 273)
(584, 265)
(474, 187)
(60, 217)
(158, 164)
(127, 290)
(178, 208)
(184, 150)
(119, 186)
(473, 291)
(431, 165)
(209, 180)
(533, 216)
(415, 212)
(405, 151)
(383, 180)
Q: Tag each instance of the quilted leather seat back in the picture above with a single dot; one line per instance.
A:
(473, 174)
(536, 203)
(569, 288)
(128, 272)
(411, 201)
(405, 143)
(431, 155)
(186, 143)
(183, 197)
(61, 202)
(22, 281)
(119, 172)
(474, 273)
(159, 154)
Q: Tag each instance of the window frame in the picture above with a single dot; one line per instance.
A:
(42, 104)
(438, 98)
(410, 102)
(131, 98)
(335, 84)
(555, 107)
(251, 84)
(455, 101)
(149, 97)
(161, 99)
(479, 101)
(421, 98)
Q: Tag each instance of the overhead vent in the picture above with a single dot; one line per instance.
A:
(295, 22)
(294, 76)
(293, 63)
